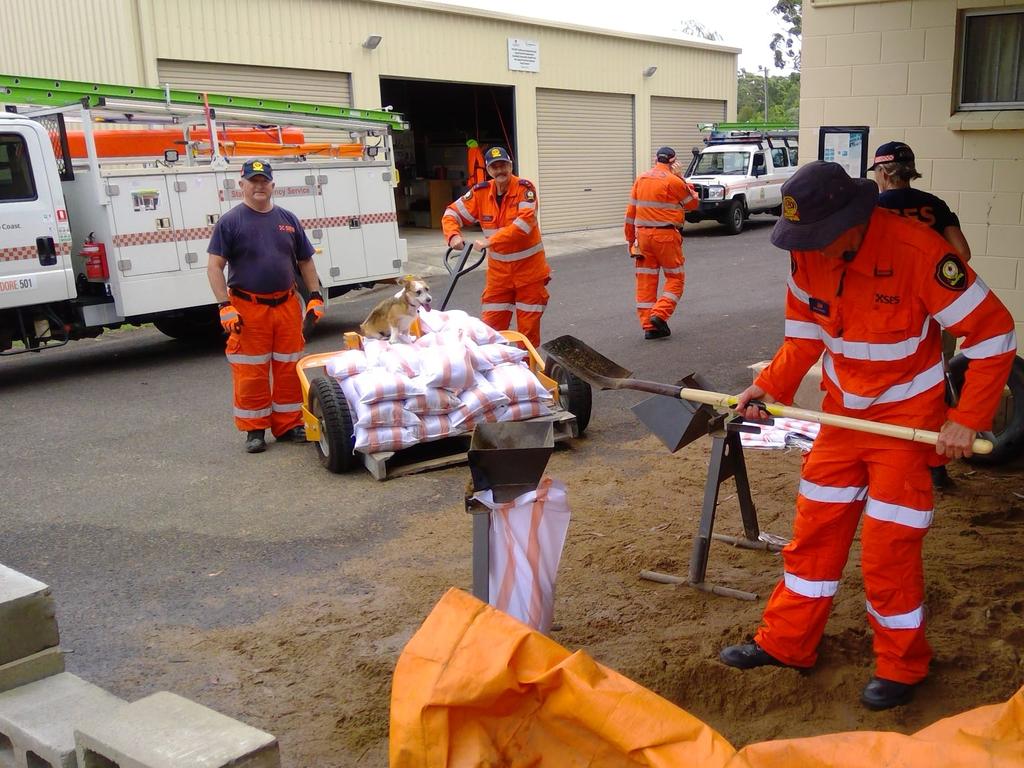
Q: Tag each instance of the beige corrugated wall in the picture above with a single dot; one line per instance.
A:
(586, 158)
(674, 123)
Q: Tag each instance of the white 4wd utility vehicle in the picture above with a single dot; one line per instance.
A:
(740, 172)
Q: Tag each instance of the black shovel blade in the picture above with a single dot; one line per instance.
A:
(587, 363)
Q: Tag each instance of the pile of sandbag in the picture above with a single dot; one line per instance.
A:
(459, 373)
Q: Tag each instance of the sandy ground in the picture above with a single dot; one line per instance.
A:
(318, 673)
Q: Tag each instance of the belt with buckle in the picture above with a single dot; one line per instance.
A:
(268, 301)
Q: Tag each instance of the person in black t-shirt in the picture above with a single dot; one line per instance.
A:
(894, 169)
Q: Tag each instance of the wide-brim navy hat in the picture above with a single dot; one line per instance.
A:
(820, 202)
(497, 155)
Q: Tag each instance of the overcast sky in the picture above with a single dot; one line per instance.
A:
(746, 24)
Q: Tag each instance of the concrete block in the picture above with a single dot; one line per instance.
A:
(998, 145)
(933, 13)
(28, 621)
(1009, 176)
(940, 43)
(168, 731)
(899, 111)
(851, 110)
(1004, 240)
(812, 51)
(990, 207)
(809, 394)
(864, 48)
(38, 720)
(903, 45)
(936, 109)
(31, 668)
(931, 77)
(827, 21)
(812, 112)
(880, 80)
(825, 82)
(936, 143)
(997, 272)
(965, 175)
(882, 16)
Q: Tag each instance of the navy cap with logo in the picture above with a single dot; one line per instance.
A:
(820, 202)
(497, 155)
(892, 152)
(252, 168)
(665, 154)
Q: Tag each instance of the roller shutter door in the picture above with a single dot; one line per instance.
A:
(674, 123)
(586, 148)
(310, 85)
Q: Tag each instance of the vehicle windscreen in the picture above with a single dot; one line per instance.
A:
(721, 163)
(16, 181)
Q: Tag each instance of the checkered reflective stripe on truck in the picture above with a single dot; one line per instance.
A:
(23, 252)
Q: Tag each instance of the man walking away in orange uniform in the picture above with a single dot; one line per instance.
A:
(654, 218)
(476, 170)
(873, 291)
(894, 168)
(260, 309)
(517, 271)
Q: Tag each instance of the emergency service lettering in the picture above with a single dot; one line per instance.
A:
(16, 284)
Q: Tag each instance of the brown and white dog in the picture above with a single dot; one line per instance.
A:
(393, 316)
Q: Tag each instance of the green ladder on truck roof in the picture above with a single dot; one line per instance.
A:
(58, 93)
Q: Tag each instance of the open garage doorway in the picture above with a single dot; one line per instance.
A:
(431, 157)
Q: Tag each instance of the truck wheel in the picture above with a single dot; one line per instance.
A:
(776, 211)
(1008, 433)
(574, 394)
(694, 218)
(733, 220)
(199, 326)
(336, 447)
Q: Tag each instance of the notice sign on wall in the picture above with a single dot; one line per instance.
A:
(523, 55)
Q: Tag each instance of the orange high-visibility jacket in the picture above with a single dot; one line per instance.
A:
(476, 170)
(658, 199)
(516, 255)
(878, 319)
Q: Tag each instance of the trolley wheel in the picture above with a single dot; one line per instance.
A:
(336, 446)
(1007, 436)
(574, 393)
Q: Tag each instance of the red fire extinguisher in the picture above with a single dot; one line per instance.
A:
(95, 260)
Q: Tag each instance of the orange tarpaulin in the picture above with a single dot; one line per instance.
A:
(151, 142)
(475, 687)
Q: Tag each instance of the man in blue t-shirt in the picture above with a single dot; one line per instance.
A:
(262, 246)
(894, 169)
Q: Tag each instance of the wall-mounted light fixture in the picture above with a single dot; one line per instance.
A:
(372, 42)
(650, 71)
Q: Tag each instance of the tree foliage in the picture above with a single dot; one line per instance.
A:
(694, 28)
(783, 97)
(786, 46)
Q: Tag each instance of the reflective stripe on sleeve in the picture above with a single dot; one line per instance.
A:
(997, 345)
(965, 303)
(647, 270)
(286, 407)
(518, 255)
(799, 293)
(832, 494)
(630, 220)
(527, 206)
(674, 271)
(464, 211)
(806, 588)
(288, 357)
(526, 228)
(931, 377)
(249, 359)
(497, 307)
(449, 213)
(799, 329)
(894, 513)
(911, 620)
(670, 296)
(244, 414)
(644, 305)
(529, 307)
(488, 232)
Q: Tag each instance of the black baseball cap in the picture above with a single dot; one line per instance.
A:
(665, 154)
(497, 155)
(820, 202)
(252, 168)
(892, 152)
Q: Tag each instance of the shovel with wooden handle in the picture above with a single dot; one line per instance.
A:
(599, 371)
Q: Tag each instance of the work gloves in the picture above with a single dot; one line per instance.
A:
(314, 311)
(230, 319)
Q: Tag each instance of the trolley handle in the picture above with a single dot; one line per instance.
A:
(456, 262)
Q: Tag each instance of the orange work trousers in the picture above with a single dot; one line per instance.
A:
(662, 250)
(263, 357)
(498, 302)
(847, 473)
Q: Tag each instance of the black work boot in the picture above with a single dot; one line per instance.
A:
(254, 441)
(880, 693)
(293, 435)
(748, 656)
(660, 325)
(941, 481)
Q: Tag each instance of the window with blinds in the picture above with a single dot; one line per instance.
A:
(992, 60)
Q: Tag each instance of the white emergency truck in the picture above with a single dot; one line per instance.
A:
(740, 171)
(92, 240)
